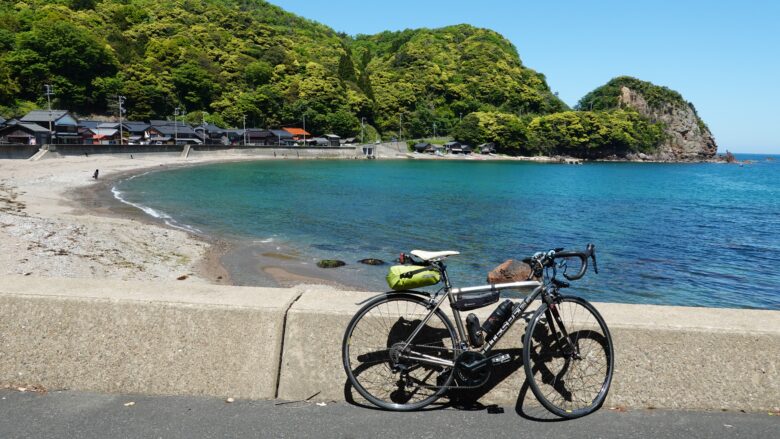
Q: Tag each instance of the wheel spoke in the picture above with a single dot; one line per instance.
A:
(378, 369)
(567, 384)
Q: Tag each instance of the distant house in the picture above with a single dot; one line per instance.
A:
(167, 132)
(317, 141)
(453, 147)
(263, 137)
(213, 134)
(466, 149)
(333, 140)
(421, 146)
(348, 141)
(101, 136)
(136, 131)
(487, 148)
(2, 122)
(298, 133)
(64, 126)
(24, 133)
(281, 138)
(449, 145)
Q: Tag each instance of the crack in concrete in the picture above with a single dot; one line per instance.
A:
(281, 348)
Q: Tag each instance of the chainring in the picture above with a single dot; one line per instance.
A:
(469, 378)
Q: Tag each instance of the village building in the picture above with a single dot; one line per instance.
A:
(164, 132)
(317, 141)
(487, 148)
(333, 140)
(24, 133)
(282, 138)
(421, 147)
(298, 134)
(64, 126)
(453, 147)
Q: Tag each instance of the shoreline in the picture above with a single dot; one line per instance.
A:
(57, 221)
(61, 222)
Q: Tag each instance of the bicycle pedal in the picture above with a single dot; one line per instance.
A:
(500, 359)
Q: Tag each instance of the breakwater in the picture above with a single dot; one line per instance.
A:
(260, 343)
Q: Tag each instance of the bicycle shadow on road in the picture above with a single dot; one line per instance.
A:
(468, 399)
(526, 405)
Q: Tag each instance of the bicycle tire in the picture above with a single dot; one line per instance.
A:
(567, 386)
(366, 352)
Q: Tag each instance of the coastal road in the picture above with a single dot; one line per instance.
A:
(66, 414)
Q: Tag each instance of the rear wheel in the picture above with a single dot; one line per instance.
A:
(380, 369)
(570, 380)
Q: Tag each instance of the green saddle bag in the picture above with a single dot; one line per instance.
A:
(419, 277)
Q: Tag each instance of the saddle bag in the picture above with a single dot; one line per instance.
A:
(405, 277)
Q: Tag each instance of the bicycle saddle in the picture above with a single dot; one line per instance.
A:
(433, 256)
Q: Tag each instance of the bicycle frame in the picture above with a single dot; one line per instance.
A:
(449, 292)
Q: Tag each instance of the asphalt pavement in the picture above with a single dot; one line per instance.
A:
(69, 414)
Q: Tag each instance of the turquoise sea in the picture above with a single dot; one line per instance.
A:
(678, 234)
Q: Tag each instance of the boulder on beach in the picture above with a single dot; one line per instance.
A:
(330, 263)
(509, 271)
(372, 261)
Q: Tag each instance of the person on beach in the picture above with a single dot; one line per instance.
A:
(95, 174)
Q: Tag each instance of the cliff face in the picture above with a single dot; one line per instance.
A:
(689, 138)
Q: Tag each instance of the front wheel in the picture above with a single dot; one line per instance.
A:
(571, 375)
(379, 367)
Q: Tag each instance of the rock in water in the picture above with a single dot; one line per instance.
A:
(510, 271)
(330, 263)
(372, 261)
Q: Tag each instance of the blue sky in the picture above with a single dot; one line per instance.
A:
(724, 56)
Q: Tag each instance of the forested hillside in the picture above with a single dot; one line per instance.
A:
(226, 60)
(232, 58)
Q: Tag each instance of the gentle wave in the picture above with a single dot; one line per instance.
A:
(167, 219)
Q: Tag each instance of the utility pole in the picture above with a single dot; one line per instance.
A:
(400, 125)
(434, 131)
(245, 130)
(49, 91)
(362, 130)
(176, 125)
(121, 100)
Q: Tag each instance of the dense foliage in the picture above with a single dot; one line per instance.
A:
(587, 134)
(230, 61)
(222, 60)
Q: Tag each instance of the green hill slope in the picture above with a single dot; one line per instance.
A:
(236, 58)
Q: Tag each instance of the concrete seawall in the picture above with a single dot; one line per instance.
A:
(179, 338)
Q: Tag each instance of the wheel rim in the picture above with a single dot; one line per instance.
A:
(566, 383)
(373, 361)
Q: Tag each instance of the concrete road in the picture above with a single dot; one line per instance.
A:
(68, 414)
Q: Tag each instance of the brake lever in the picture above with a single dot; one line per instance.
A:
(592, 251)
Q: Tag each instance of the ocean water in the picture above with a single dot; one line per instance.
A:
(678, 234)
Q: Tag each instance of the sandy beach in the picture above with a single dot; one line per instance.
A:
(56, 220)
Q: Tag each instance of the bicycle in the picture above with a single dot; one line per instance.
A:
(402, 352)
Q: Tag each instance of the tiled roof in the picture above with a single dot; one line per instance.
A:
(281, 133)
(297, 131)
(43, 115)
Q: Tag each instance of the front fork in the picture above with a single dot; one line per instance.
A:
(567, 347)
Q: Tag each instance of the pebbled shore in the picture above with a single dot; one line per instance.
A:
(57, 221)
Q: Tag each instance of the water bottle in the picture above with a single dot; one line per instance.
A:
(499, 316)
(474, 331)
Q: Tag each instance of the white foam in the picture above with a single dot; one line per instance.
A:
(167, 219)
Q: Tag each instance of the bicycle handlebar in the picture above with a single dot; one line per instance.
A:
(590, 252)
(542, 260)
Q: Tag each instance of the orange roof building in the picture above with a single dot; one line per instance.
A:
(297, 133)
